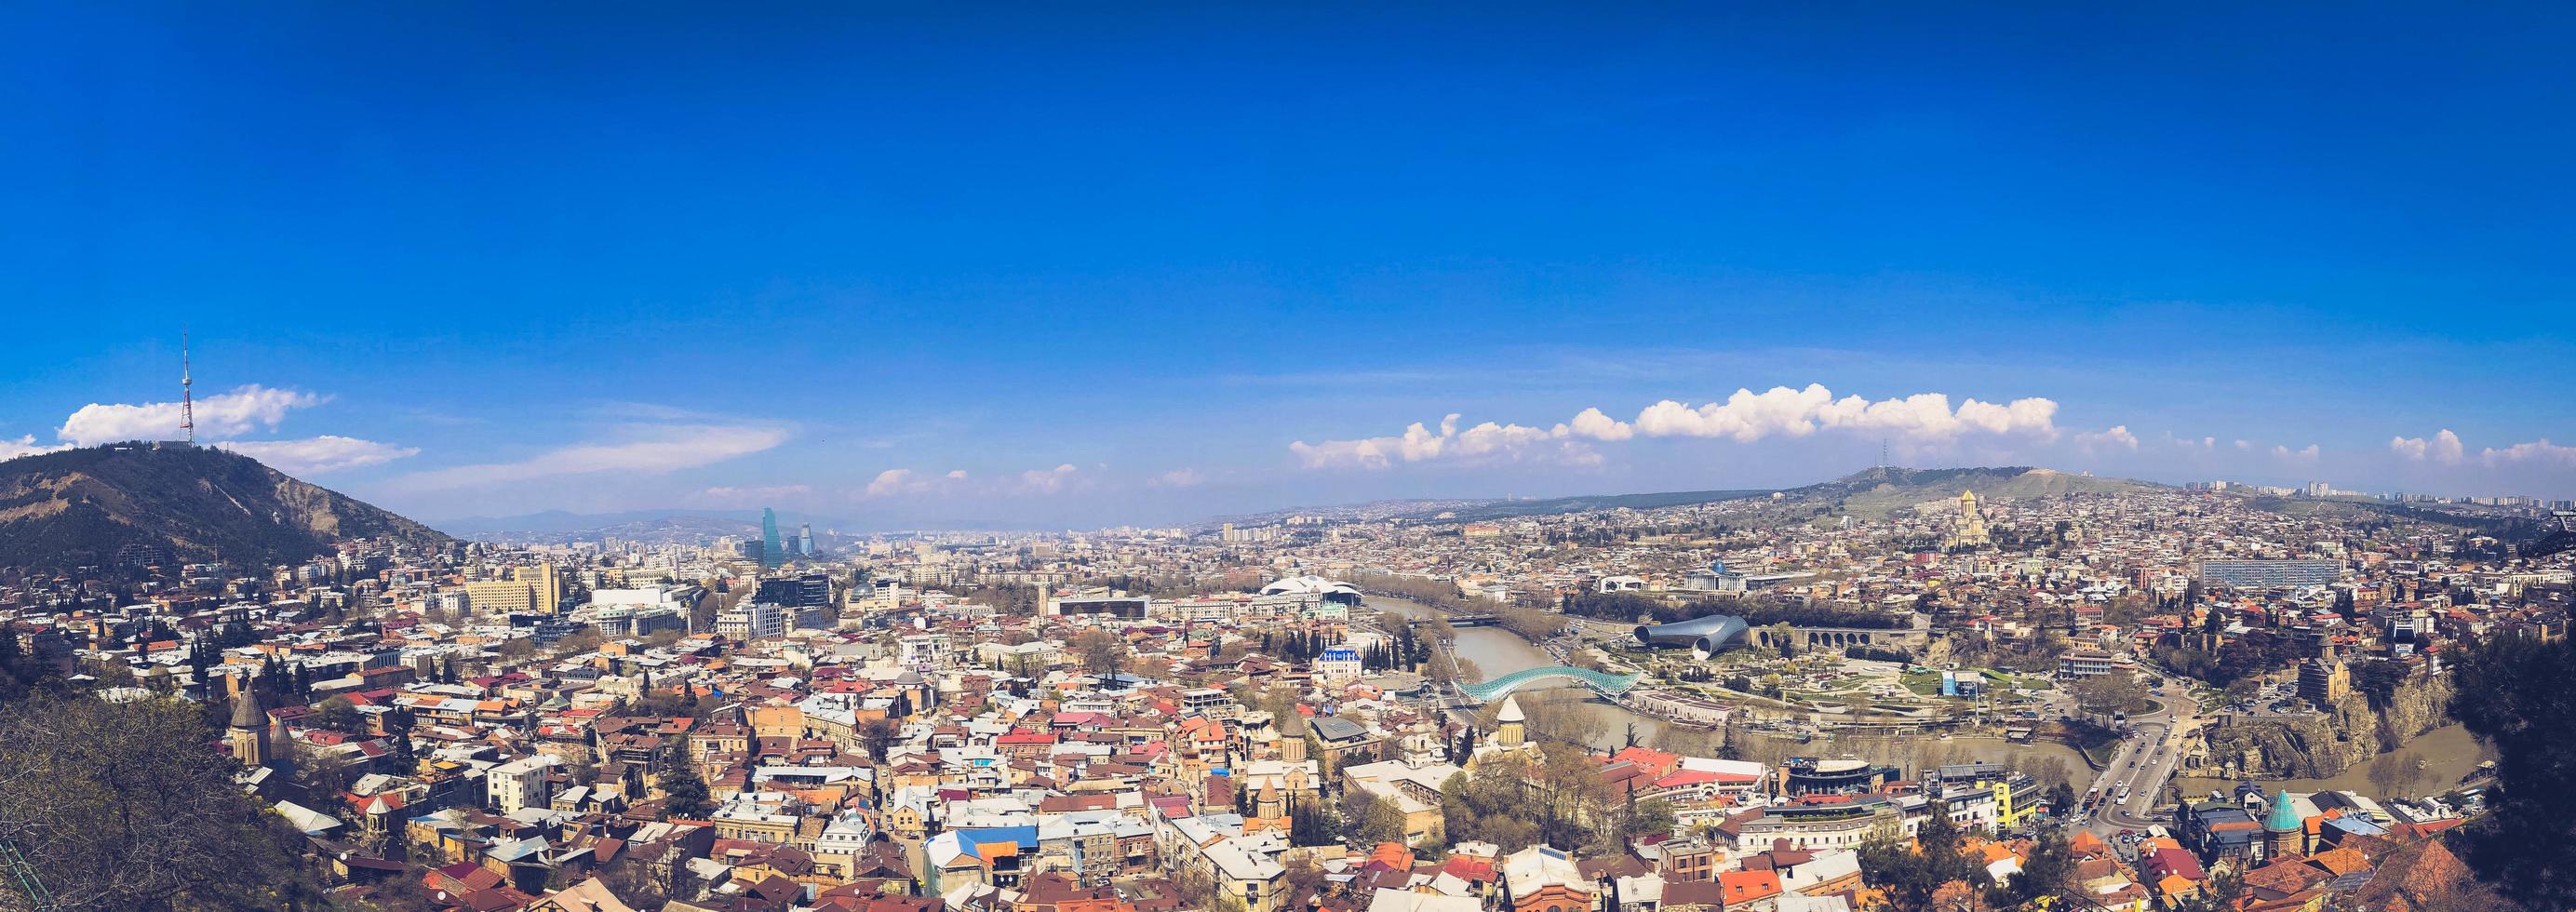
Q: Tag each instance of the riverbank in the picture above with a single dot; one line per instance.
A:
(1497, 651)
(2450, 753)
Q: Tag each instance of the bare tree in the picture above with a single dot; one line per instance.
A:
(123, 806)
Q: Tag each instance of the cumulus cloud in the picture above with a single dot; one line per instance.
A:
(894, 482)
(1748, 416)
(1745, 417)
(1489, 440)
(2443, 448)
(890, 482)
(1180, 478)
(2116, 436)
(2536, 451)
(1047, 481)
(649, 450)
(2302, 455)
(1594, 424)
(231, 414)
(23, 446)
(319, 455)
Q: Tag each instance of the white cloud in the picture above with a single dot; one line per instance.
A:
(1047, 481)
(1486, 441)
(1748, 416)
(319, 455)
(756, 494)
(893, 482)
(2443, 448)
(23, 446)
(1180, 478)
(896, 481)
(1745, 417)
(2244, 444)
(653, 450)
(2116, 436)
(1592, 423)
(2536, 451)
(2304, 455)
(232, 414)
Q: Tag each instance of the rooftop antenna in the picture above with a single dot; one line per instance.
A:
(187, 397)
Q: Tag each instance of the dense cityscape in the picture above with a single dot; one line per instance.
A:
(1287, 457)
(1888, 691)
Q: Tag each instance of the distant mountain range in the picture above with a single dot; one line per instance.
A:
(81, 507)
(1874, 491)
(648, 526)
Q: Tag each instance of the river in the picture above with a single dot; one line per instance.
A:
(1498, 651)
(2450, 754)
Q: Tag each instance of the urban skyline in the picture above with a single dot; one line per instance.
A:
(489, 457)
(493, 276)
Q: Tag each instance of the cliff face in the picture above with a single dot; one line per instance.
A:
(2323, 745)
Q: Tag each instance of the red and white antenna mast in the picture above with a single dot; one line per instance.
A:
(187, 397)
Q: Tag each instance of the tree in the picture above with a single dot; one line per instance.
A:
(338, 714)
(1912, 875)
(878, 735)
(1102, 653)
(2116, 691)
(1650, 817)
(122, 806)
(684, 792)
(1307, 826)
(2244, 690)
(1371, 820)
(2048, 870)
(2220, 893)
(2389, 774)
(2515, 693)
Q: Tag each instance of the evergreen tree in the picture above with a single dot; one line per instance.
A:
(684, 791)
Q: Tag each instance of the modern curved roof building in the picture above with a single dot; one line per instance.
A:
(1706, 636)
(1310, 585)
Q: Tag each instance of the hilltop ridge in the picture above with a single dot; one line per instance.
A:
(80, 507)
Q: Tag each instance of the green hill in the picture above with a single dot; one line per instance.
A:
(80, 507)
(1884, 490)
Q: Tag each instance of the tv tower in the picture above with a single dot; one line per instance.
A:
(187, 397)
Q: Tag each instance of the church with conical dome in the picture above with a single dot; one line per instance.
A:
(1511, 736)
(1970, 532)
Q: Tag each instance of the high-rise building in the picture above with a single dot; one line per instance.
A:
(535, 589)
(773, 552)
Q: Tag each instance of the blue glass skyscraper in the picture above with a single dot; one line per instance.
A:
(771, 554)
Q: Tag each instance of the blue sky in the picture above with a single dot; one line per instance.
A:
(1055, 268)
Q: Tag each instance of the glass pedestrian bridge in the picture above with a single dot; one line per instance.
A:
(1608, 685)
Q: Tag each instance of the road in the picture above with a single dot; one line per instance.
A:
(2146, 760)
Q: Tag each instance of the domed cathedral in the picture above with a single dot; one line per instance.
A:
(248, 734)
(1511, 737)
(1971, 529)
